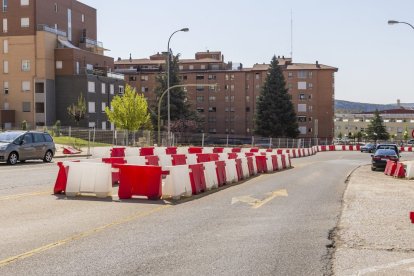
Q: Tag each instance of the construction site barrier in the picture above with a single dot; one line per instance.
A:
(152, 160)
(221, 172)
(118, 152)
(177, 183)
(231, 172)
(197, 178)
(146, 151)
(179, 159)
(390, 167)
(210, 175)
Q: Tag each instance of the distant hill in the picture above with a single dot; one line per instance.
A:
(356, 107)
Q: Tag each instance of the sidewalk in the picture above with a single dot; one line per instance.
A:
(59, 152)
(375, 235)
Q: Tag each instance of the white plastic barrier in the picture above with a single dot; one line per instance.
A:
(279, 162)
(223, 156)
(191, 159)
(245, 168)
(89, 178)
(269, 163)
(132, 151)
(208, 150)
(182, 150)
(101, 152)
(160, 151)
(231, 172)
(136, 160)
(409, 169)
(254, 165)
(94, 160)
(244, 150)
(164, 161)
(287, 161)
(227, 150)
(210, 175)
(177, 183)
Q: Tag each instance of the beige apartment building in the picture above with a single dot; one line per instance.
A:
(396, 122)
(230, 108)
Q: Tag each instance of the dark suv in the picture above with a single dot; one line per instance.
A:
(26, 145)
(393, 147)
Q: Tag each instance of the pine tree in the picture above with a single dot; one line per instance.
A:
(376, 129)
(275, 116)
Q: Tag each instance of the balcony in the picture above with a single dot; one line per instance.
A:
(104, 72)
(45, 28)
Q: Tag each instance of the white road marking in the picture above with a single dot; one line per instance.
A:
(382, 267)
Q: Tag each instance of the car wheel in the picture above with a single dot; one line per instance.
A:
(48, 157)
(13, 158)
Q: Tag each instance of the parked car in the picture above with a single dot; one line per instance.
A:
(26, 145)
(410, 142)
(368, 148)
(381, 156)
(389, 146)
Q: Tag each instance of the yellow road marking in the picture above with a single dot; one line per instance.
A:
(79, 236)
(9, 197)
(271, 197)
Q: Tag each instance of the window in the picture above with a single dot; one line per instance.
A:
(6, 106)
(103, 106)
(132, 78)
(91, 124)
(91, 107)
(232, 98)
(40, 87)
(5, 46)
(212, 98)
(301, 107)
(69, 24)
(4, 25)
(91, 87)
(212, 130)
(302, 85)
(5, 67)
(111, 89)
(59, 64)
(310, 74)
(302, 74)
(121, 90)
(290, 75)
(302, 130)
(212, 88)
(25, 65)
(24, 22)
(200, 99)
(191, 67)
(180, 67)
(227, 77)
(200, 88)
(24, 2)
(203, 67)
(77, 68)
(232, 87)
(40, 107)
(103, 88)
(310, 85)
(302, 97)
(83, 17)
(144, 78)
(211, 77)
(226, 87)
(5, 5)
(200, 109)
(247, 109)
(247, 99)
(199, 77)
(212, 109)
(25, 86)
(185, 77)
(144, 89)
(6, 87)
(26, 106)
(257, 86)
(232, 77)
(257, 76)
(302, 119)
(232, 109)
(310, 108)
(56, 7)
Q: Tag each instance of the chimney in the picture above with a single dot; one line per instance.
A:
(119, 59)
(130, 57)
(398, 103)
(317, 64)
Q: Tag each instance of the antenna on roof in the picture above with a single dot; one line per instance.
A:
(291, 34)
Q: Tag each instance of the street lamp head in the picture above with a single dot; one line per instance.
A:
(392, 22)
(185, 29)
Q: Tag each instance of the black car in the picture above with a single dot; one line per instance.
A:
(393, 147)
(368, 148)
(381, 156)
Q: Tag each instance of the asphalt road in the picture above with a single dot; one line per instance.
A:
(274, 224)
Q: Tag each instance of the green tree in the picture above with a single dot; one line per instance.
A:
(376, 129)
(77, 111)
(129, 112)
(180, 108)
(405, 135)
(358, 136)
(275, 115)
(340, 135)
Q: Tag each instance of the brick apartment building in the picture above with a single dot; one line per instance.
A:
(230, 108)
(49, 55)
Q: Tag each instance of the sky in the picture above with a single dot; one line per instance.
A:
(375, 60)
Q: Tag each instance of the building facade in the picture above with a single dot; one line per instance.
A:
(50, 55)
(230, 107)
(396, 122)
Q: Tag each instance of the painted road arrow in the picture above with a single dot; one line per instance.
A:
(257, 203)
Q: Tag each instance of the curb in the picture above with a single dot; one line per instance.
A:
(71, 156)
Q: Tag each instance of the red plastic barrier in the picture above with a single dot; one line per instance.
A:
(358, 147)
(343, 147)
(279, 151)
(178, 159)
(232, 155)
(221, 172)
(274, 162)
(351, 147)
(114, 161)
(152, 160)
(146, 151)
(402, 149)
(399, 171)
(250, 165)
(238, 150)
(410, 149)
(62, 179)
(249, 154)
(323, 148)
(332, 147)
(390, 168)
(197, 178)
(70, 150)
(118, 152)
(412, 217)
(284, 161)
(269, 150)
(214, 157)
(140, 181)
(261, 164)
(239, 169)
(193, 150)
(218, 150)
(294, 153)
(254, 150)
(203, 157)
(171, 150)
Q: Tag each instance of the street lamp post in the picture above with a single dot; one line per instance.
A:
(168, 80)
(159, 105)
(393, 22)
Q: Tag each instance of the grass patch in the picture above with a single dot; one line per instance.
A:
(77, 142)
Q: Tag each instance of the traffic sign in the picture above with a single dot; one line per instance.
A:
(412, 133)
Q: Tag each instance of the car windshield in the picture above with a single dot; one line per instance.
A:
(369, 145)
(8, 137)
(385, 152)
